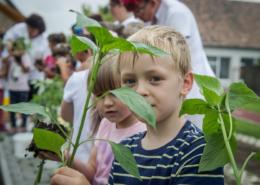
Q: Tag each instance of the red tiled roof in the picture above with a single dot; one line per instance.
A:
(224, 23)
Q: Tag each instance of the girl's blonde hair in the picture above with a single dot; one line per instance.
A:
(166, 39)
(107, 79)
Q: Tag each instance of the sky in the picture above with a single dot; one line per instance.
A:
(56, 12)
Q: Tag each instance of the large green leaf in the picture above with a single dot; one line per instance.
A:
(210, 83)
(210, 124)
(26, 108)
(240, 95)
(123, 45)
(78, 44)
(47, 140)
(211, 97)
(84, 21)
(102, 35)
(137, 104)
(215, 154)
(147, 49)
(119, 44)
(124, 156)
(194, 106)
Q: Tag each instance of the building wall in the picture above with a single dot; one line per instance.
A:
(6, 22)
(235, 56)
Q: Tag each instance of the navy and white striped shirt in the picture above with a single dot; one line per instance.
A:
(175, 163)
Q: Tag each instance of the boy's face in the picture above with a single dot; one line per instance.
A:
(159, 82)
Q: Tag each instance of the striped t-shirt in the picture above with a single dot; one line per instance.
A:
(175, 163)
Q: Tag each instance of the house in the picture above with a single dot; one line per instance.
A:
(230, 31)
(9, 15)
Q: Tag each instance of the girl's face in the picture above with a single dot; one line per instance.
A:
(114, 110)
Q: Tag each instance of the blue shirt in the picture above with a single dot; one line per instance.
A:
(175, 163)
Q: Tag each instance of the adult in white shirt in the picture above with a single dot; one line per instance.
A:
(177, 15)
(32, 30)
(75, 93)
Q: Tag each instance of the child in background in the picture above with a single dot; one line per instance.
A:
(49, 64)
(169, 154)
(118, 123)
(18, 67)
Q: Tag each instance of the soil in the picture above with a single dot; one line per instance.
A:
(50, 127)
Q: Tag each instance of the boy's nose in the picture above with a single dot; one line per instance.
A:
(141, 89)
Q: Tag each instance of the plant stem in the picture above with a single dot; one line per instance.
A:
(90, 89)
(39, 174)
(230, 118)
(229, 150)
(244, 164)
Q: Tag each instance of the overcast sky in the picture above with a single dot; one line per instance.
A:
(56, 12)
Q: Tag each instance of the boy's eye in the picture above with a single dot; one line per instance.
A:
(128, 82)
(155, 79)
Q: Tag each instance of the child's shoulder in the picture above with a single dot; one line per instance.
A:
(190, 142)
(133, 139)
(189, 136)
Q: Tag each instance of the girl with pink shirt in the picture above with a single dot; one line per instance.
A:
(117, 124)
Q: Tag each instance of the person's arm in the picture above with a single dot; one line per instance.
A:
(67, 111)
(68, 176)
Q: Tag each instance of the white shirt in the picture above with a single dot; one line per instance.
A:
(39, 46)
(75, 92)
(17, 79)
(177, 15)
(129, 20)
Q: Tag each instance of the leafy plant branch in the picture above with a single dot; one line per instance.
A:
(219, 125)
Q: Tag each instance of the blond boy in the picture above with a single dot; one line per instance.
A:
(169, 154)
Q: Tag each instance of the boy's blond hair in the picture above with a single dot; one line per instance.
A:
(168, 40)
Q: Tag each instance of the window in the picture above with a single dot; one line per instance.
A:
(224, 67)
(247, 62)
(220, 66)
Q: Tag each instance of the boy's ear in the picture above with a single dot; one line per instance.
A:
(187, 83)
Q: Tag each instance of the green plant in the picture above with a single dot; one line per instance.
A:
(219, 125)
(105, 43)
(49, 94)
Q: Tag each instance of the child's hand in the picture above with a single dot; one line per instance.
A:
(68, 176)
